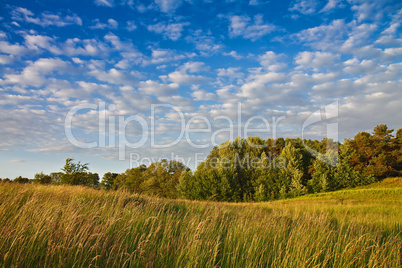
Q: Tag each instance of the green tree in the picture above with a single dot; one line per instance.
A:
(374, 154)
(187, 188)
(162, 178)
(322, 178)
(56, 177)
(159, 179)
(131, 179)
(346, 175)
(397, 152)
(41, 178)
(77, 174)
(22, 180)
(292, 174)
(108, 179)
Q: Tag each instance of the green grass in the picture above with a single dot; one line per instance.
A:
(66, 226)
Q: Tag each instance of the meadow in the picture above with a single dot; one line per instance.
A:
(75, 226)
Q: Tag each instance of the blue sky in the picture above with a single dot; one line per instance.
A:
(278, 60)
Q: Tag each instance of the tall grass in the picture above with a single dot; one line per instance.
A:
(48, 226)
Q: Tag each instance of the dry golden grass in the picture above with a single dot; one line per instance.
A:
(48, 226)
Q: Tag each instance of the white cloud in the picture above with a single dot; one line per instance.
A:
(355, 60)
(116, 77)
(254, 2)
(272, 61)
(12, 49)
(194, 67)
(392, 53)
(180, 77)
(168, 6)
(384, 97)
(305, 7)
(165, 55)
(178, 101)
(390, 35)
(71, 47)
(45, 19)
(231, 72)
(204, 42)
(324, 37)
(150, 87)
(233, 54)
(356, 67)
(171, 31)
(367, 9)
(6, 59)
(319, 78)
(130, 54)
(111, 24)
(334, 89)
(203, 95)
(332, 4)
(245, 27)
(358, 37)
(106, 3)
(316, 60)
(36, 42)
(17, 161)
(271, 88)
(34, 73)
(86, 47)
(131, 26)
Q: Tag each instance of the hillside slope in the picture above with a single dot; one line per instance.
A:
(76, 226)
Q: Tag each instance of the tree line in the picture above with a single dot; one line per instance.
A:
(253, 169)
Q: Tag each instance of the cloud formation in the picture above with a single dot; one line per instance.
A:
(276, 60)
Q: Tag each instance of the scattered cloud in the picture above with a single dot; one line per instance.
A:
(45, 19)
(233, 54)
(254, 2)
(160, 56)
(324, 37)
(34, 74)
(249, 29)
(203, 95)
(168, 6)
(231, 72)
(17, 161)
(180, 77)
(170, 31)
(6, 59)
(71, 47)
(304, 7)
(131, 26)
(340, 50)
(316, 60)
(204, 42)
(332, 4)
(272, 61)
(194, 67)
(12, 49)
(150, 87)
(106, 3)
(111, 24)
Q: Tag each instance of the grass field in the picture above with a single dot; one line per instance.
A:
(66, 226)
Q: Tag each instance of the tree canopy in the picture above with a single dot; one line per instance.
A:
(253, 169)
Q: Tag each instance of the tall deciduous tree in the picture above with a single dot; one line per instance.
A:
(108, 180)
(77, 174)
